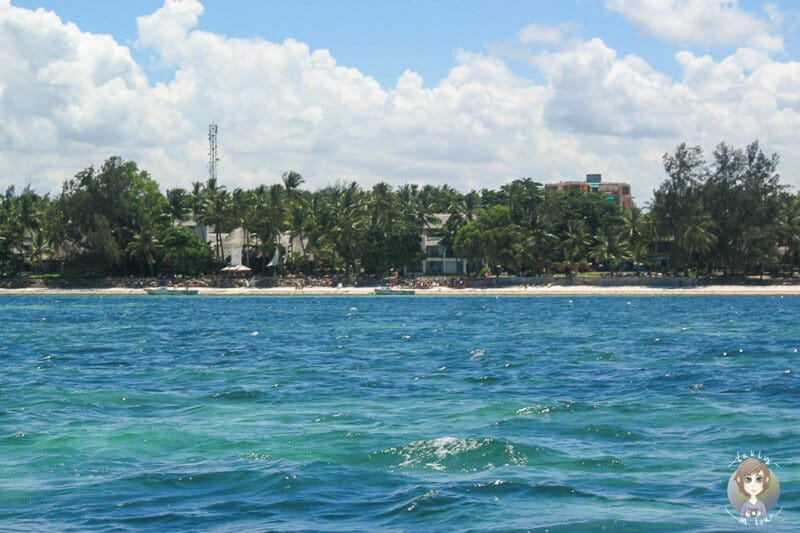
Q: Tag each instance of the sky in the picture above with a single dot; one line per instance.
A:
(472, 94)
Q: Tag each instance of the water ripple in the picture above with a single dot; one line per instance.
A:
(361, 414)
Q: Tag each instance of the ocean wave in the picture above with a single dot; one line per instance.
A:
(455, 454)
(522, 413)
(237, 395)
(607, 432)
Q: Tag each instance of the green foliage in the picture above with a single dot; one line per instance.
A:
(214, 205)
(182, 252)
(23, 234)
(730, 215)
(610, 249)
(493, 236)
(179, 205)
(101, 212)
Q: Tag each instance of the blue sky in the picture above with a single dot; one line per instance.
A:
(382, 39)
(492, 91)
(385, 38)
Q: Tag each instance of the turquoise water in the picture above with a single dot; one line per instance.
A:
(393, 413)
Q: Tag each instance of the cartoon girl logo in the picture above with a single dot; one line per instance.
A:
(753, 490)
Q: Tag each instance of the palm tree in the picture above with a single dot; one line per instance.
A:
(39, 247)
(413, 209)
(610, 249)
(632, 224)
(277, 212)
(270, 218)
(532, 251)
(299, 216)
(574, 244)
(197, 198)
(143, 248)
(261, 224)
(523, 196)
(215, 200)
(461, 210)
(291, 182)
(296, 209)
(178, 205)
(346, 221)
(381, 206)
(240, 215)
(696, 239)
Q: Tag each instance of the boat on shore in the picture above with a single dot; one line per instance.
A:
(171, 291)
(382, 291)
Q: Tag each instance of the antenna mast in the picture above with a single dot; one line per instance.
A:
(212, 151)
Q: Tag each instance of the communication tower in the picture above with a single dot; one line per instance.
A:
(212, 151)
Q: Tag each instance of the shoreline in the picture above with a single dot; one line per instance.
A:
(541, 290)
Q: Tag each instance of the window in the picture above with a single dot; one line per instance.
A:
(434, 251)
(434, 267)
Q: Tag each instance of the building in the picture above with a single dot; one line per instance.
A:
(233, 244)
(239, 242)
(436, 261)
(613, 192)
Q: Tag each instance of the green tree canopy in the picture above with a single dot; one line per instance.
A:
(102, 211)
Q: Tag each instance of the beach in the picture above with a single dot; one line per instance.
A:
(530, 290)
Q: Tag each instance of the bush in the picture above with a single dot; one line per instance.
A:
(183, 252)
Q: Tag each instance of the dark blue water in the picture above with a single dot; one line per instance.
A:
(418, 413)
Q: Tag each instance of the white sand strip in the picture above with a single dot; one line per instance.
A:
(553, 290)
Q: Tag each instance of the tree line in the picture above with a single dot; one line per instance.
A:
(729, 216)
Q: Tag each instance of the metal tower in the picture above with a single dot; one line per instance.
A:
(212, 151)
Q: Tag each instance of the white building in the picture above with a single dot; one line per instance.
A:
(436, 261)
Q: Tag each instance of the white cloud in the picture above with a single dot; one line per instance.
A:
(540, 34)
(66, 89)
(703, 22)
(70, 99)
(773, 12)
(592, 91)
(626, 114)
(744, 98)
(166, 29)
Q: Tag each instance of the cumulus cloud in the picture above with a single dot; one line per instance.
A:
(703, 22)
(73, 87)
(593, 91)
(167, 28)
(622, 106)
(745, 96)
(71, 98)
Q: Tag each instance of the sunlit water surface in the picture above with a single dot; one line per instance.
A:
(393, 413)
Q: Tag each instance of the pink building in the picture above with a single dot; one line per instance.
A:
(614, 192)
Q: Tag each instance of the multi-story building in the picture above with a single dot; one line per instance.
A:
(436, 260)
(613, 191)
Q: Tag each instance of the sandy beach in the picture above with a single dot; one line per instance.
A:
(531, 290)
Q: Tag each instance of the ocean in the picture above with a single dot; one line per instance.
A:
(421, 413)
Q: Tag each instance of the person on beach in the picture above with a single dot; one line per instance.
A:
(752, 478)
